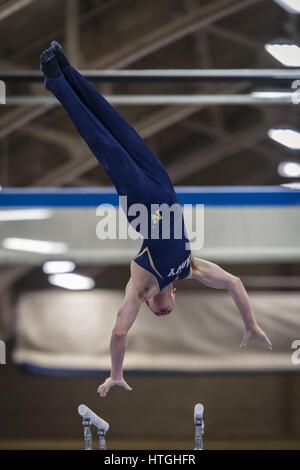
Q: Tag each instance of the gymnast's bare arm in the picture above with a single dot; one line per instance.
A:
(139, 287)
(212, 275)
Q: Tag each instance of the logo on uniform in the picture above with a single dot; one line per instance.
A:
(183, 265)
(156, 217)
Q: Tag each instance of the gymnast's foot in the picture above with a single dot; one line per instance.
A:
(49, 64)
(59, 54)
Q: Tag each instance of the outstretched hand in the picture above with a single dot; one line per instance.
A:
(259, 336)
(104, 388)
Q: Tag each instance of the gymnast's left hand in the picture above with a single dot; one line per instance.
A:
(104, 388)
(259, 336)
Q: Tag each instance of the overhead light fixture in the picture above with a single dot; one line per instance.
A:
(280, 96)
(56, 267)
(72, 281)
(289, 169)
(287, 137)
(24, 214)
(270, 94)
(287, 54)
(291, 6)
(36, 246)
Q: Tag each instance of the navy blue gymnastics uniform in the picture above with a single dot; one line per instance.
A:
(133, 168)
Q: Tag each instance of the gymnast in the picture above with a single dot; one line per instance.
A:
(138, 174)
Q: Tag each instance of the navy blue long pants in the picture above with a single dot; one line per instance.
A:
(133, 168)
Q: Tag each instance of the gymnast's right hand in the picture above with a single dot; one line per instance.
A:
(104, 388)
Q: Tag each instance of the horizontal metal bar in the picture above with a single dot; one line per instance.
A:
(246, 99)
(167, 75)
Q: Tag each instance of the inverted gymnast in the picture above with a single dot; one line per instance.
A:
(137, 173)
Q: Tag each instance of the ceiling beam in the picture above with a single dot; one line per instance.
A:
(72, 31)
(12, 7)
(197, 126)
(236, 38)
(20, 117)
(206, 157)
(58, 33)
(175, 30)
(73, 145)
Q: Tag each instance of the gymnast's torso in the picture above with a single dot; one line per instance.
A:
(165, 251)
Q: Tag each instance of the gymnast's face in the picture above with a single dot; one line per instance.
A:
(163, 303)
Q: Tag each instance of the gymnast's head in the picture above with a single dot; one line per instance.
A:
(162, 303)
